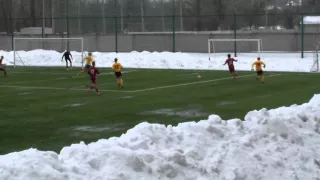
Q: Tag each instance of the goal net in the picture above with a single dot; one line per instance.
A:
(238, 47)
(46, 51)
(315, 64)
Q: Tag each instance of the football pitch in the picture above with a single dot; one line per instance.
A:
(49, 108)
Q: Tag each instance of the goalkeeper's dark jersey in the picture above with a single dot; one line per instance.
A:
(67, 55)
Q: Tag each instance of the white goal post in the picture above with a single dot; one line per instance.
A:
(315, 63)
(52, 44)
(212, 46)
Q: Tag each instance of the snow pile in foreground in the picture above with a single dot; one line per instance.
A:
(277, 144)
(167, 60)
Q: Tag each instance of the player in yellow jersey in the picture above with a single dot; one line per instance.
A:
(258, 63)
(89, 59)
(117, 68)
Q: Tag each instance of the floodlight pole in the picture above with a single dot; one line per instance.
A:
(116, 26)
(235, 34)
(163, 14)
(79, 18)
(68, 25)
(103, 17)
(43, 18)
(173, 27)
(181, 15)
(142, 14)
(52, 17)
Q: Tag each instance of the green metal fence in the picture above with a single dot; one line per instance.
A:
(70, 18)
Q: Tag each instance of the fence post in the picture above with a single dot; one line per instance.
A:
(302, 36)
(43, 21)
(116, 34)
(116, 26)
(235, 33)
(12, 29)
(68, 24)
(173, 28)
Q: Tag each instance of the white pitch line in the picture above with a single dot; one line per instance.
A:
(61, 73)
(198, 82)
(55, 88)
(186, 84)
(135, 91)
(263, 96)
(39, 80)
(63, 78)
(189, 74)
(35, 72)
(106, 83)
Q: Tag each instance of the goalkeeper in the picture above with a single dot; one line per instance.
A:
(67, 55)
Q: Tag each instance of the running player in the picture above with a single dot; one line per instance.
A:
(67, 55)
(93, 71)
(230, 61)
(88, 60)
(117, 68)
(2, 66)
(258, 63)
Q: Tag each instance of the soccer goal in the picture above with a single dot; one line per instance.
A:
(238, 47)
(315, 64)
(46, 51)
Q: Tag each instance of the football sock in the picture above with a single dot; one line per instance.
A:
(262, 78)
(121, 82)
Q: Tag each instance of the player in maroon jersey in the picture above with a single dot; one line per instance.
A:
(230, 61)
(2, 66)
(93, 71)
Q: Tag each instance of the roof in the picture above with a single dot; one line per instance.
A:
(311, 20)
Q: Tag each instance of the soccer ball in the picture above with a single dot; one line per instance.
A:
(198, 76)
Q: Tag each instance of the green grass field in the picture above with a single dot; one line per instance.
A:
(45, 108)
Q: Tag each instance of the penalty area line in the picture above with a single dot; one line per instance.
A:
(55, 88)
(65, 78)
(191, 83)
(198, 82)
(134, 91)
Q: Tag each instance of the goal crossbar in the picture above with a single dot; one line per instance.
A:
(44, 39)
(50, 38)
(211, 41)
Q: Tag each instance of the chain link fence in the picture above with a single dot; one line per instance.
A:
(162, 25)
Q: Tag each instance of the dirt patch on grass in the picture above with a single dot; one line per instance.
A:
(24, 93)
(127, 97)
(105, 128)
(74, 105)
(224, 103)
(177, 112)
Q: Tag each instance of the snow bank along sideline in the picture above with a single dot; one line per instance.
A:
(167, 60)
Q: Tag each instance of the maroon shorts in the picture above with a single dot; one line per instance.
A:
(94, 80)
(231, 68)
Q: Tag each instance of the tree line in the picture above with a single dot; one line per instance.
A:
(108, 16)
